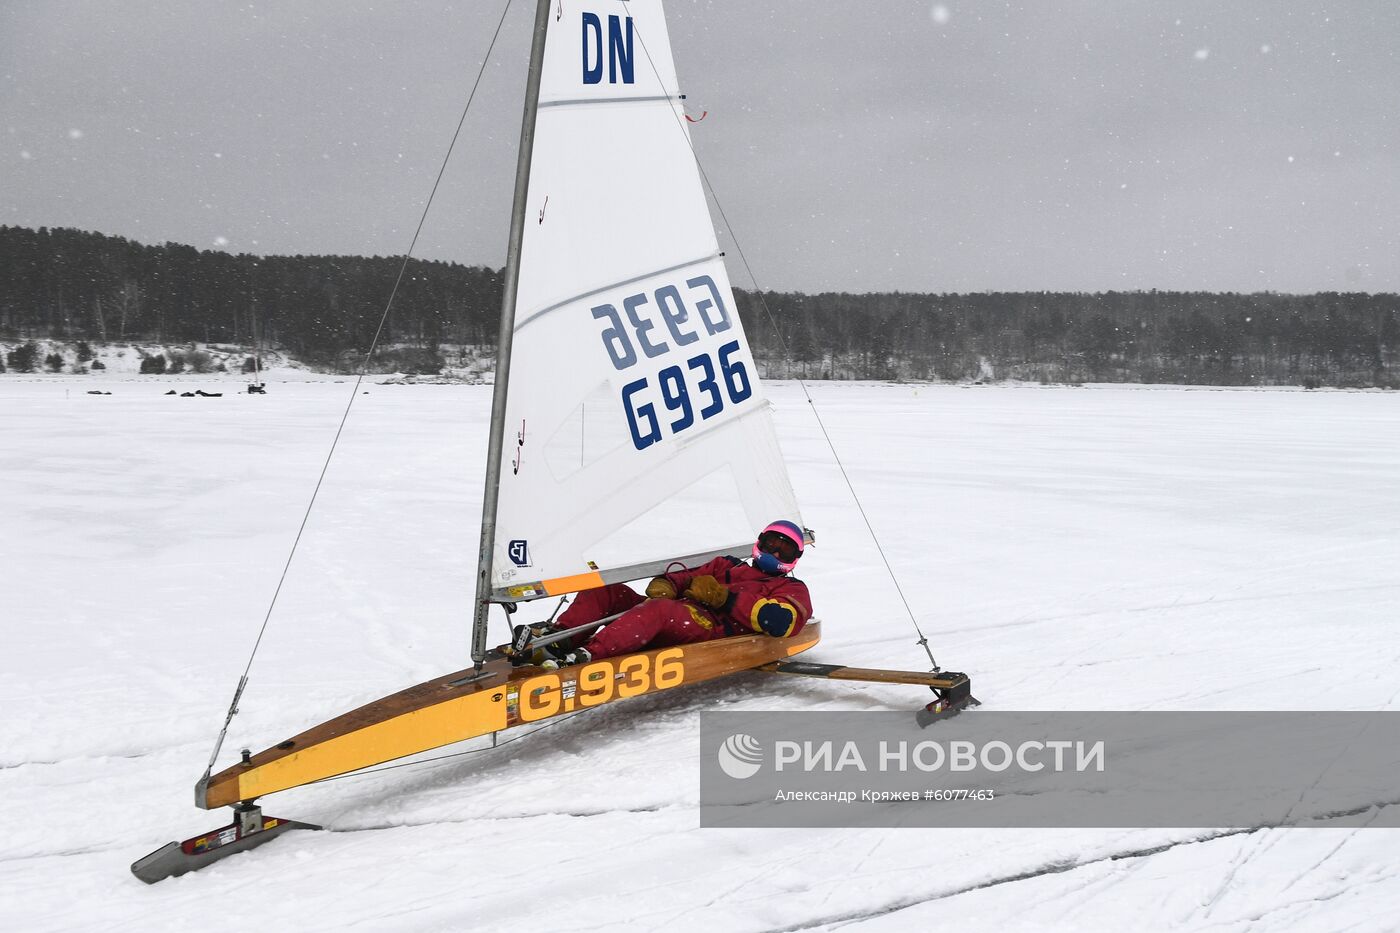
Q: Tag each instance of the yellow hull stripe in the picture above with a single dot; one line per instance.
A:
(430, 727)
(361, 744)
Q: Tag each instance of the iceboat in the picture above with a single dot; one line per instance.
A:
(629, 429)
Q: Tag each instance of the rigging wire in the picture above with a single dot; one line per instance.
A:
(354, 393)
(923, 639)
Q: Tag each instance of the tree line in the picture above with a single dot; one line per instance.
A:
(69, 284)
(1210, 338)
(73, 285)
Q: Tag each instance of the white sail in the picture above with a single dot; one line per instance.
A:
(636, 429)
(637, 432)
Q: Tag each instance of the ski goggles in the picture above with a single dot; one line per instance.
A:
(779, 545)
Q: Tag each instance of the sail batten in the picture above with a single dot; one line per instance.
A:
(641, 436)
(612, 100)
(600, 290)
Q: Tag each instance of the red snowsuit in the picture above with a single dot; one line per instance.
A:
(758, 603)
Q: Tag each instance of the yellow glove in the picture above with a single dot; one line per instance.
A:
(661, 588)
(707, 591)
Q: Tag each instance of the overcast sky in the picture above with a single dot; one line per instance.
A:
(960, 146)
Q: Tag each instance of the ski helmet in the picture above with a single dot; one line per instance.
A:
(778, 548)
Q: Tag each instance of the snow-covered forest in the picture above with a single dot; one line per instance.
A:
(59, 287)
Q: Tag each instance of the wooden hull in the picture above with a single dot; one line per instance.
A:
(459, 706)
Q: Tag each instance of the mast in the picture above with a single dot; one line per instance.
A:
(507, 331)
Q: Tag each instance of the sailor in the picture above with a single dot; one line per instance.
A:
(723, 597)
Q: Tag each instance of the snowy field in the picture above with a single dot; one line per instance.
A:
(1072, 548)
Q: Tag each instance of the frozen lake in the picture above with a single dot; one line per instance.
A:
(1095, 548)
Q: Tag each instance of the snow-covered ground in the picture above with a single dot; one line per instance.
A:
(1090, 548)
